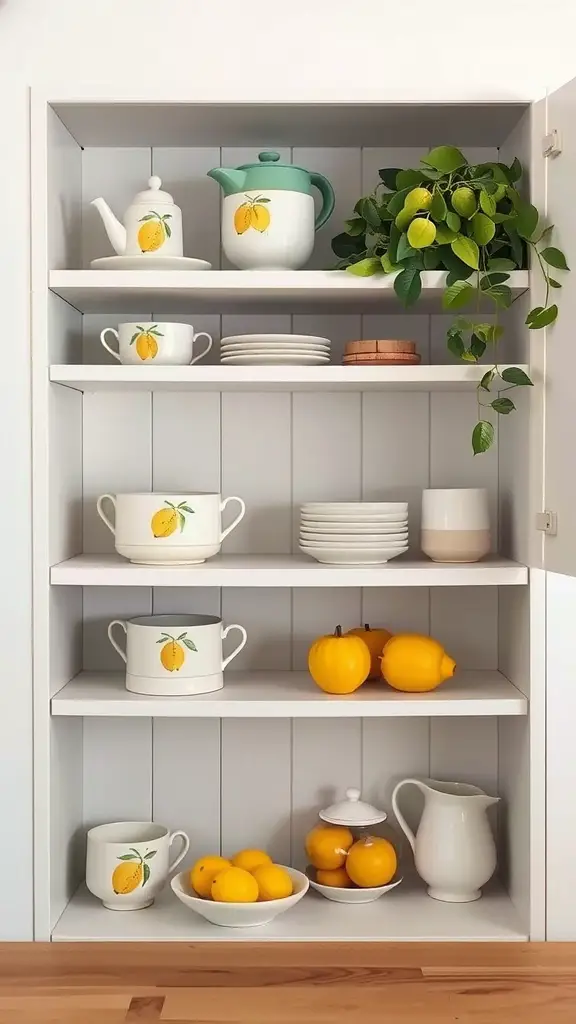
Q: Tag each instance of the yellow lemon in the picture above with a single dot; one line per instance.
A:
(464, 201)
(151, 236)
(415, 663)
(421, 233)
(339, 877)
(375, 640)
(274, 882)
(327, 846)
(164, 522)
(250, 859)
(403, 218)
(146, 346)
(260, 217)
(243, 218)
(234, 885)
(371, 861)
(204, 872)
(127, 877)
(418, 199)
(172, 656)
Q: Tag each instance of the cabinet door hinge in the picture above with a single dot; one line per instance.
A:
(552, 144)
(547, 522)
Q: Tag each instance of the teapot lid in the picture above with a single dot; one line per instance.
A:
(153, 194)
(353, 811)
(270, 160)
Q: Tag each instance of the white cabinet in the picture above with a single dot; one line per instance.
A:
(252, 764)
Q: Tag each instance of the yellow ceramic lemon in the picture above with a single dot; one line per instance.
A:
(339, 877)
(250, 859)
(339, 664)
(274, 882)
(127, 877)
(375, 640)
(371, 862)
(327, 846)
(204, 872)
(415, 663)
(234, 885)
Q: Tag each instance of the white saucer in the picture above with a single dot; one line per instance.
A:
(272, 340)
(336, 556)
(265, 360)
(149, 263)
(270, 346)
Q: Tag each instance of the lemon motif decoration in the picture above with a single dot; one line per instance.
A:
(173, 654)
(154, 231)
(165, 521)
(133, 873)
(252, 214)
(146, 344)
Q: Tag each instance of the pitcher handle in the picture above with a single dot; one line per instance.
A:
(240, 645)
(115, 644)
(201, 334)
(102, 513)
(328, 199)
(183, 851)
(107, 346)
(399, 816)
(241, 514)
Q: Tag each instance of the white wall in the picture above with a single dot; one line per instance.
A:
(272, 50)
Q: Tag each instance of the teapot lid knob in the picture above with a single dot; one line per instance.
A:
(269, 157)
(353, 795)
(154, 182)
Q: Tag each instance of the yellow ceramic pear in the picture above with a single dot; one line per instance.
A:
(415, 663)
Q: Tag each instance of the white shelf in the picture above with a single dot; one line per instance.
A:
(290, 695)
(270, 378)
(405, 914)
(284, 571)
(221, 291)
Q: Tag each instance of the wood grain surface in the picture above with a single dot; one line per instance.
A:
(252, 983)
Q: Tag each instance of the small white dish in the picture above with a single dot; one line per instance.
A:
(239, 915)
(352, 531)
(334, 556)
(340, 520)
(337, 545)
(354, 507)
(365, 540)
(340, 895)
(233, 353)
(255, 360)
(284, 340)
(270, 346)
(149, 263)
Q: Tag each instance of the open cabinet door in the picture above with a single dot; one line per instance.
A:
(560, 373)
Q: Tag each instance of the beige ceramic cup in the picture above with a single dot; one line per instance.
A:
(455, 524)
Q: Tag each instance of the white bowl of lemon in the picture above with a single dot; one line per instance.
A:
(243, 892)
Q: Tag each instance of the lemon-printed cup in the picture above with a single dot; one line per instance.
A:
(128, 862)
(152, 343)
(175, 655)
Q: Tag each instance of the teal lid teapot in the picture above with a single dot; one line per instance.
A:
(268, 218)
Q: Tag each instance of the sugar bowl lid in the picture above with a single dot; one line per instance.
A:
(153, 194)
(353, 811)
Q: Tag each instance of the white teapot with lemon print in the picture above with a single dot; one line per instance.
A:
(268, 219)
(152, 224)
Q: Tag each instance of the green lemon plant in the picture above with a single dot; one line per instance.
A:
(471, 221)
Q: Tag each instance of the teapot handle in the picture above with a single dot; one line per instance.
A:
(399, 816)
(328, 198)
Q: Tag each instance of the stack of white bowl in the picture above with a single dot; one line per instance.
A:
(274, 350)
(354, 532)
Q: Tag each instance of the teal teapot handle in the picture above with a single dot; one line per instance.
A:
(328, 198)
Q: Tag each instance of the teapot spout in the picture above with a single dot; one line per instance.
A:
(114, 229)
(230, 179)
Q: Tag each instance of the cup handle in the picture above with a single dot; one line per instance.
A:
(184, 850)
(106, 346)
(103, 515)
(234, 523)
(236, 650)
(115, 645)
(201, 334)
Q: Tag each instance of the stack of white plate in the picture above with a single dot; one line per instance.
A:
(354, 532)
(274, 349)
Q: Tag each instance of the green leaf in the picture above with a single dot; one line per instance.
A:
(483, 228)
(515, 243)
(487, 203)
(445, 159)
(146, 868)
(134, 336)
(468, 357)
(534, 313)
(345, 247)
(546, 233)
(396, 202)
(182, 519)
(487, 380)
(482, 437)
(147, 216)
(503, 406)
(191, 645)
(356, 226)
(393, 243)
(181, 637)
(384, 214)
(408, 178)
(370, 214)
(502, 218)
(186, 508)
(497, 172)
(149, 856)
(453, 221)
(438, 208)
(489, 280)
(514, 375)
(501, 295)
(553, 283)
(543, 318)
(387, 266)
(404, 249)
(488, 332)
(499, 192)
(408, 285)
(444, 235)
(501, 264)
(554, 258)
(456, 269)
(365, 268)
(457, 295)
(477, 346)
(527, 220)
(128, 856)
(432, 259)
(455, 344)
(466, 250)
(168, 229)
(388, 176)
(515, 170)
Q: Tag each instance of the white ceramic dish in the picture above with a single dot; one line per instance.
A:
(270, 346)
(149, 263)
(351, 530)
(364, 540)
(286, 340)
(233, 353)
(334, 556)
(338, 895)
(255, 360)
(383, 520)
(337, 545)
(354, 507)
(239, 915)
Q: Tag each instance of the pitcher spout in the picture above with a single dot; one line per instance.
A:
(114, 229)
(230, 179)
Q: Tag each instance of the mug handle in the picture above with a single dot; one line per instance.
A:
(106, 346)
(115, 645)
(240, 645)
(201, 334)
(103, 515)
(184, 850)
(234, 523)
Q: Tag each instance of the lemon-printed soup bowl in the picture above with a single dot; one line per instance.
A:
(128, 862)
(174, 655)
(168, 529)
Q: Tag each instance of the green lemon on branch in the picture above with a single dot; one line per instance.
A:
(421, 233)
(464, 202)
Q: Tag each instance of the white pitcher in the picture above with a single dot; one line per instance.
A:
(454, 849)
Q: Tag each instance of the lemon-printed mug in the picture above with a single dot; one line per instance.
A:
(168, 529)
(128, 862)
(175, 655)
(159, 344)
